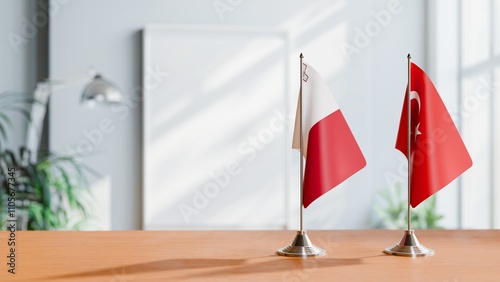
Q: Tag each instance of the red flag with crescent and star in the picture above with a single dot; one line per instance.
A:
(438, 154)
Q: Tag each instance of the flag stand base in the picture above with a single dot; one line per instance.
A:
(409, 247)
(301, 247)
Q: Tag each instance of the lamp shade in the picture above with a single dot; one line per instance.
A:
(101, 90)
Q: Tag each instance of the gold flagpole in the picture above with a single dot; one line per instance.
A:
(301, 245)
(409, 246)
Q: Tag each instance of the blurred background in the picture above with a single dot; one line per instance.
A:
(201, 138)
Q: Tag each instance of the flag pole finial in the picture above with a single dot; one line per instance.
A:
(409, 56)
(301, 56)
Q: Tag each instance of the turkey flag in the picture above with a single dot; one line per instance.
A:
(438, 154)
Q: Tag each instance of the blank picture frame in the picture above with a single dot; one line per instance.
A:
(216, 131)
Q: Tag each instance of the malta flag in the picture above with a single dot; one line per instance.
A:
(438, 154)
(328, 145)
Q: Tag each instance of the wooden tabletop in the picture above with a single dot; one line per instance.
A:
(355, 255)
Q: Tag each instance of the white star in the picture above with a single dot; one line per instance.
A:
(416, 131)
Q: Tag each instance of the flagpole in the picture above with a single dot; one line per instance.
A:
(300, 150)
(301, 245)
(409, 137)
(409, 246)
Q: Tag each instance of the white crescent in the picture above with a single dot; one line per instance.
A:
(414, 95)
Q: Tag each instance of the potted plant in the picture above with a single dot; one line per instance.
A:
(392, 214)
(49, 193)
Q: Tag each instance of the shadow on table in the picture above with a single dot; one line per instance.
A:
(289, 266)
(154, 266)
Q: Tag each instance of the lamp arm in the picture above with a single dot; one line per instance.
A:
(97, 88)
(38, 111)
(71, 81)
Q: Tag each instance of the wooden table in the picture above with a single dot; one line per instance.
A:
(247, 256)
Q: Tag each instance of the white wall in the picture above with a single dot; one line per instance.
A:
(369, 86)
(18, 57)
(444, 69)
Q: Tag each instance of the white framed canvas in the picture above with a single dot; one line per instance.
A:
(216, 129)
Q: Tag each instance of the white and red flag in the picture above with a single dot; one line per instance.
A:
(438, 154)
(332, 154)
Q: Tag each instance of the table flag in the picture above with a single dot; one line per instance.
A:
(438, 154)
(330, 150)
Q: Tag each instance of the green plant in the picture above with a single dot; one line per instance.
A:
(50, 193)
(393, 212)
(46, 190)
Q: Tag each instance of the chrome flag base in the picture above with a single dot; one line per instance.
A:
(301, 247)
(409, 247)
